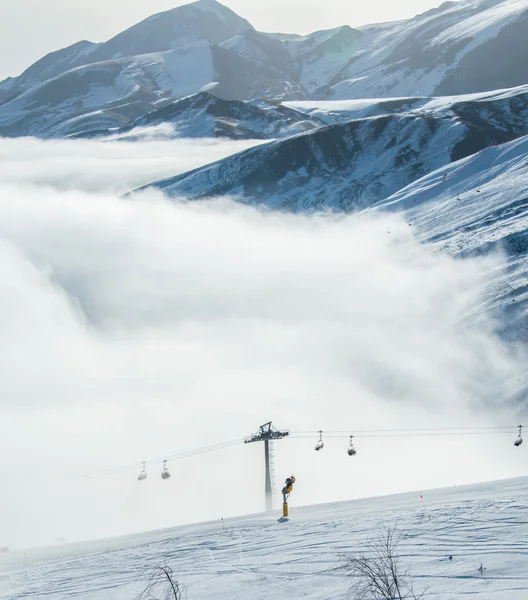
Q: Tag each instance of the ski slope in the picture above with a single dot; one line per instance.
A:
(255, 557)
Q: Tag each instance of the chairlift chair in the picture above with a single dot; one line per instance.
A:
(320, 443)
(519, 440)
(165, 473)
(143, 474)
(352, 451)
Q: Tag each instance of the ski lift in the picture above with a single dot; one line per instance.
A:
(320, 443)
(352, 450)
(143, 475)
(165, 473)
(519, 440)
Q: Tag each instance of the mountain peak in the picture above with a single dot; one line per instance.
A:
(204, 20)
(221, 11)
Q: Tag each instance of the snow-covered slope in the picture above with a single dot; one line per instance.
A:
(107, 93)
(475, 206)
(49, 66)
(310, 60)
(352, 164)
(201, 21)
(482, 525)
(343, 167)
(170, 55)
(114, 92)
(204, 115)
(458, 182)
(461, 47)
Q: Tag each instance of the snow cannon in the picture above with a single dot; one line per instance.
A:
(286, 491)
(288, 488)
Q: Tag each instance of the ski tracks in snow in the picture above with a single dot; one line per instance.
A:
(257, 558)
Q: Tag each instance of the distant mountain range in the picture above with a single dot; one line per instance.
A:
(461, 47)
(427, 117)
(204, 115)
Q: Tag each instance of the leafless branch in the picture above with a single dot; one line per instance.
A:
(161, 585)
(377, 571)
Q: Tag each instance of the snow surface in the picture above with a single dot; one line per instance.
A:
(185, 71)
(473, 206)
(445, 102)
(211, 6)
(373, 72)
(255, 556)
(129, 83)
(484, 25)
(335, 111)
(481, 27)
(375, 158)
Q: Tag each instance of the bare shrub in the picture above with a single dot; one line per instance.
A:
(161, 585)
(378, 570)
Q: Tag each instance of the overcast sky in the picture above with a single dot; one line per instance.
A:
(31, 28)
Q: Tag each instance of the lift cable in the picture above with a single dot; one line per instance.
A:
(401, 435)
(172, 457)
(357, 433)
(346, 432)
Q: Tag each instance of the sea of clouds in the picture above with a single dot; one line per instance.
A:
(140, 327)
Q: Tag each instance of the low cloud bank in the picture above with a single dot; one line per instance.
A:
(137, 328)
(95, 166)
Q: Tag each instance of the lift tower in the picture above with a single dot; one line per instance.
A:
(266, 434)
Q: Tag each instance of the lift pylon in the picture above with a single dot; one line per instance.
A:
(266, 434)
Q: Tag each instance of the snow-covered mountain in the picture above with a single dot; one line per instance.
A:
(457, 168)
(477, 205)
(352, 164)
(204, 116)
(202, 21)
(460, 47)
(168, 56)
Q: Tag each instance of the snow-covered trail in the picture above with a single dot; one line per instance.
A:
(255, 557)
